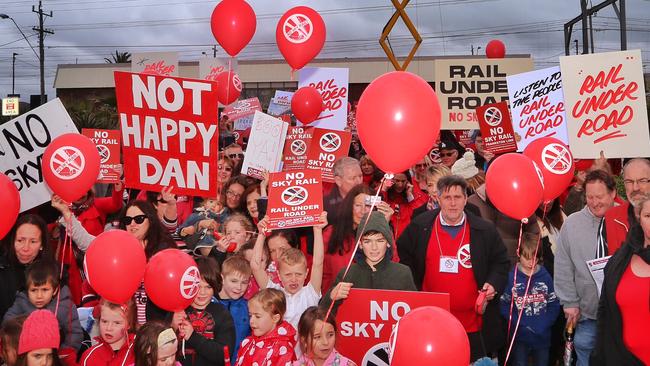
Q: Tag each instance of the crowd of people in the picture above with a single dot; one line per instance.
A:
(265, 296)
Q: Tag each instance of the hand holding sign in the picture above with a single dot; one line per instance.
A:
(233, 25)
(10, 198)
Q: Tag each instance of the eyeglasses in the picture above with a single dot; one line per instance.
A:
(641, 182)
(239, 156)
(226, 168)
(139, 219)
(447, 155)
(233, 194)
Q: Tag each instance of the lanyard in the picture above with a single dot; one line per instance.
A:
(462, 238)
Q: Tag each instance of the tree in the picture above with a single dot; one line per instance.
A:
(118, 57)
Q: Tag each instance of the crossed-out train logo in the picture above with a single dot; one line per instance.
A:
(330, 142)
(104, 153)
(294, 196)
(190, 280)
(298, 147)
(556, 158)
(236, 81)
(492, 116)
(298, 28)
(464, 256)
(379, 354)
(540, 175)
(67, 162)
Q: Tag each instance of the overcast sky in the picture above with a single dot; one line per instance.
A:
(87, 31)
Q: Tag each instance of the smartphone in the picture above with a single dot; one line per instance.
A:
(372, 199)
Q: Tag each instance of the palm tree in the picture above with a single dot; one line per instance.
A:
(118, 57)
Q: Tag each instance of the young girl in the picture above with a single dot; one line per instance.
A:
(206, 327)
(273, 339)
(155, 345)
(116, 332)
(39, 340)
(9, 335)
(317, 338)
(237, 231)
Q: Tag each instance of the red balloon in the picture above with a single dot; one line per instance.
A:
(398, 120)
(514, 185)
(172, 280)
(307, 104)
(10, 198)
(228, 87)
(495, 49)
(233, 25)
(555, 160)
(114, 265)
(70, 166)
(429, 335)
(300, 35)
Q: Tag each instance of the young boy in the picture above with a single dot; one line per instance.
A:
(292, 270)
(42, 283)
(541, 307)
(235, 275)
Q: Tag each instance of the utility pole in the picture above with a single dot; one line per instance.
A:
(585, 34)
(41, 36)
(576, 41)
(591, 34)
(13, 74)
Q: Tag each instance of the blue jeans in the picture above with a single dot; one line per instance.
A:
(520, 353)
(584, 340)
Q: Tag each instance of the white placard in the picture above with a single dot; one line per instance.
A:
(265, 145)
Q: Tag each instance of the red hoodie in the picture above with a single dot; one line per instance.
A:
(274, 348)
(102, 354)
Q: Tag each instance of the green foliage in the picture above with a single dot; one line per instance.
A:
(118, 58)
(94, 113)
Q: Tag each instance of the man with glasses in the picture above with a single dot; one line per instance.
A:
(450, 150)
(235, 153)
(619, 220)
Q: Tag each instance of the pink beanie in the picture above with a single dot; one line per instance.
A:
(40, 330)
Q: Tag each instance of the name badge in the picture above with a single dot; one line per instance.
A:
(448, 264)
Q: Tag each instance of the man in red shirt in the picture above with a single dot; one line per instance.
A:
(453, 251)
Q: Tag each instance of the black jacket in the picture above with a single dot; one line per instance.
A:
(489, 263)
(12, 280)
(610, 349)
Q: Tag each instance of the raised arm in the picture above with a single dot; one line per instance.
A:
(316, 279)
(259, 272)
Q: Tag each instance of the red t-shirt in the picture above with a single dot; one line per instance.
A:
(633, 298)
(461, 286)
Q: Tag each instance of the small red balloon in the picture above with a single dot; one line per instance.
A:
(233, 24)
(555, 160)
(10, 198)
(300, 35)
(495, 49)
(172, 280)
(514, 185)
(114, 265)
(307, 104)
(429, 335)
(71, 166)
(228, 87)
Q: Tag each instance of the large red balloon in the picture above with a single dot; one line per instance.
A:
(307, 104)
(233, 25)
(228, 87)
(10, 198)
(70, 166)
(398, 120)
(300, 35)
(555, 160)
(114, 265)
(429, 335)
(172, 280)
(514, 185)
(495, 49)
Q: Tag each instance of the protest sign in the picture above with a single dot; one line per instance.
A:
(295, 148)
(295, 199)
(496, 128)
(22, 143)
(280, 105)
(325, 148)
(264, 149)
(155, 63)
(366, 319)
(108, 146)
(332, 84)
(210, 67)
(605, 102)
(169, 133)
(242, 111)
(462, 85)
(537, 105)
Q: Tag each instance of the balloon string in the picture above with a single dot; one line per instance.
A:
(229, 78)
(292, 75)
(67, 242)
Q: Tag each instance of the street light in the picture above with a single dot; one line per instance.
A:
(5, 16)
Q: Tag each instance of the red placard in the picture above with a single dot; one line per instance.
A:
(325, 148)
(295, 148)
(295, 199)
(108, 146)
(496, 128)
(242, 111)
(169, 133)
(366, 319)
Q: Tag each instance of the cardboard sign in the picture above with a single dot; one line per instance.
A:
(108, 146)
(325, 148)
(242, 112)
(537, 105)
(295, 148)
(295, 199)
(462, 85)
(264, 149)
(169, 133)
(606, 105)
(155, 63)
(10, 106)
(332, 83)
(366, 319)
(280, 105)
(496, 128)
(22, 143)
(210, 67)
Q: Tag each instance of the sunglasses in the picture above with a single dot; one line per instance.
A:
(447, 155)
(139, 219)
(226, 168)
(240, 156)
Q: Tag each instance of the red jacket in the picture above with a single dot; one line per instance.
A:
(274, 348)
(102, 354)
(617, 225)
(94, 218)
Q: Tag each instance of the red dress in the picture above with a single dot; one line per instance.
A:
(633, 299)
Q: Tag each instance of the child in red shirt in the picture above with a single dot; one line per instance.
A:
(115, 342)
